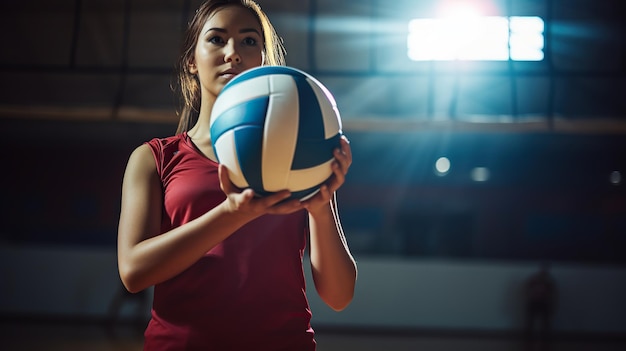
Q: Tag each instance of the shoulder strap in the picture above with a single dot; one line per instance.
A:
(163, 150)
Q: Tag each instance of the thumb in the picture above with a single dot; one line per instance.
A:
(225, 184)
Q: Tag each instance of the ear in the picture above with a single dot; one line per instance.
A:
(193, 69)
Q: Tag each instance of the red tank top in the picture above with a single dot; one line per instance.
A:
(247, 293)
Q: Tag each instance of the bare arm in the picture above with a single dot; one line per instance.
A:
(145, 255)
(332, 265)
(333, 268)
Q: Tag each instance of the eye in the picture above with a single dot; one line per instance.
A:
(216, 40)
(250, 41)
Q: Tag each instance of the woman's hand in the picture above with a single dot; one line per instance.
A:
(247, 203)
(340, 166)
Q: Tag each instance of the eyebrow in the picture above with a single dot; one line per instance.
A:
(244, 30)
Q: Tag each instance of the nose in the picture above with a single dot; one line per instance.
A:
(230, 53)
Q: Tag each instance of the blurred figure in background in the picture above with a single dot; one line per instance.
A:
(541, 300)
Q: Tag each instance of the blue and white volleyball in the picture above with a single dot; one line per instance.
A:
(275, 128)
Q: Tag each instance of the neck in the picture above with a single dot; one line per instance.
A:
(200, 133)
(201, 130)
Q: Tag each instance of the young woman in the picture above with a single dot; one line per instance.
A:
(226, 265)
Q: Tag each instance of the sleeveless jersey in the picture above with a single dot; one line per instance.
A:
(248, 292)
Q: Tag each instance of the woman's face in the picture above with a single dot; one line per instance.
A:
(230, 42)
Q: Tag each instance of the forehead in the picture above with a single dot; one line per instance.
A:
(233, 18)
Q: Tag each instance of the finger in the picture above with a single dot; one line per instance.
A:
(286, 207)
(338, 178)
(343, 155)
(345, 148)
(322, 196)
(324, 193)
(248, 194)
(342, 161)
(225, 184)
(275, 198)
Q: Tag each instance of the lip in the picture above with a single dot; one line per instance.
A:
(229, 73)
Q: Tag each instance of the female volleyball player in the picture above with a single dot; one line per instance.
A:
(226, 266)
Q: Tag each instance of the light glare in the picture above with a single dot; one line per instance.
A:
(616, 178)
(470, 37)
(442, 166)
(480, 174)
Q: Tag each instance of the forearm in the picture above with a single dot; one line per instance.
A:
(332, 265)
(162, 257)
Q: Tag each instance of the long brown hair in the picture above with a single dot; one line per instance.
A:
(188, 84)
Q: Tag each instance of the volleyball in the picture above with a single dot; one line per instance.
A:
(275, 128)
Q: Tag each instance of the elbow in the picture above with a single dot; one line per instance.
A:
(132, 285)
(133, 289)
(339, 305)
(336, 294)
(131, 280)
(338, 301)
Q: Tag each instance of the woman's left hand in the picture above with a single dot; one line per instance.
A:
(340, 166)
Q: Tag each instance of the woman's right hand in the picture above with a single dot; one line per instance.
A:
(245, 201)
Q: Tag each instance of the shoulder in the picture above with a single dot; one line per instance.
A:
(148, 158)
(141, 161)
(141, 153)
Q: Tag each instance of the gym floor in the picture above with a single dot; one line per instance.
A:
(75, 336)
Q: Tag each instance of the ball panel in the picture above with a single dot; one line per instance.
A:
(248, 142)
(262, 71)
(280, 132)
(242, 92)
(328, 107)
(301, 179)
(250, 112)
(313, 152)
(228, 156)
(311, 125)
(313, 147)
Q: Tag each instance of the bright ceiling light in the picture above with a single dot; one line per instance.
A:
(463, 35)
